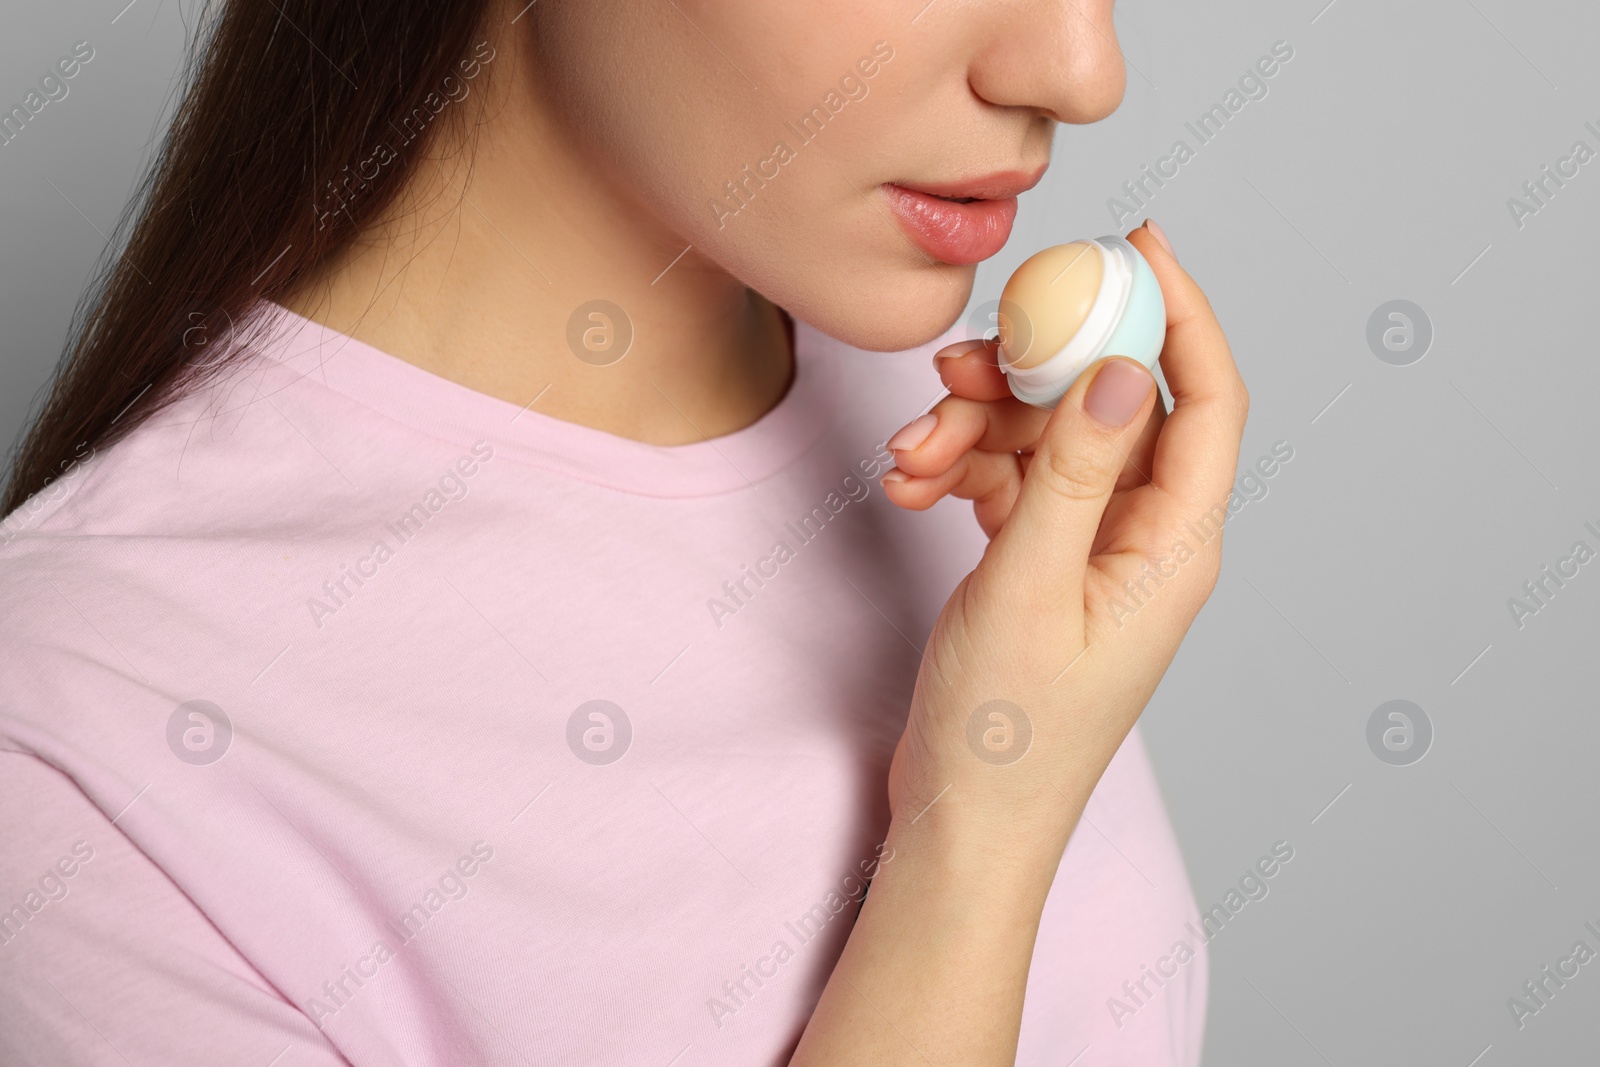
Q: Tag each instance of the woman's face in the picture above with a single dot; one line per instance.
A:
(804, 147)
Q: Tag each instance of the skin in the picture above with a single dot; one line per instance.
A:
(587, 184)
(584, 185)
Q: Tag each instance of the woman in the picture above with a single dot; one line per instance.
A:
(453, 613)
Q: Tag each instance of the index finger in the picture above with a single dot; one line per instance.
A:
(1197, 454)
(972, 369)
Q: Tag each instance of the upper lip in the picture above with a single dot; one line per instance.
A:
(996, 186)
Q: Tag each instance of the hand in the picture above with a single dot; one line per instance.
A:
(984, 438)
(1098, 562)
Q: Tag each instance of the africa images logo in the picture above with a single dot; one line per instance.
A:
(451, 487)
(53, 88)
(347, 185)
(737, 194)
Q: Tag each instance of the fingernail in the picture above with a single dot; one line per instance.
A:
(1159, 234)
(946, 353)
(914, 432)
(1117, 392)
(894, 477)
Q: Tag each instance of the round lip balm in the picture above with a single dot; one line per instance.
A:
(1069, 305)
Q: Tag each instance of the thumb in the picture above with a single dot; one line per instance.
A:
(1044, 546)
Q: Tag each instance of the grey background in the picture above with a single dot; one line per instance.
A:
(1378, 565)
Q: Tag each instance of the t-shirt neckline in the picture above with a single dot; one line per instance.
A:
(441, 408)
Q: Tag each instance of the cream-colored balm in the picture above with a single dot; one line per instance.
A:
(1068, 306)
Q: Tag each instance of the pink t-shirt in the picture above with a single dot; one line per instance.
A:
(348, 715)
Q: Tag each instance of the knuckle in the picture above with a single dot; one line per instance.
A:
(919, 465)
(1077, 474)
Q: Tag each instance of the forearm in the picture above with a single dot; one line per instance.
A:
(937, 964)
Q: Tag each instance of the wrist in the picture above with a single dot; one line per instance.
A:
(974, 850)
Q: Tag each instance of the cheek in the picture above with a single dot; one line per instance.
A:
(724, 131)
(670, 115)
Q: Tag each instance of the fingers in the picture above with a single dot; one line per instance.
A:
(1198, 450)
(991, 480)
(1141, 457)
(958, 425)
(1043, 550)
(982, 414)
(972, 369)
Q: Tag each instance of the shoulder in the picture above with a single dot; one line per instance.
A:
(92, 929)
(135, 548)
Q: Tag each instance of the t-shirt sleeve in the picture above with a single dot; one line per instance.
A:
(104, 961)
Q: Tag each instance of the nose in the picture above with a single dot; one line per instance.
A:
(1058, 57)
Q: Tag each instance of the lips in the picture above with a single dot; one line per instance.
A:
(960, 222)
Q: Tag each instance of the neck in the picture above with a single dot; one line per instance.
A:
(502, 234)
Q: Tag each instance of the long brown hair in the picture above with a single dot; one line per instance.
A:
(266, 173)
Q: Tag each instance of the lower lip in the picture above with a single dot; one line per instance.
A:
(951, 232)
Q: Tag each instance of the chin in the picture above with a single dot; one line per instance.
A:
(888, 312)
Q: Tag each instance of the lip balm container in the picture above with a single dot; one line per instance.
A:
(1068, 306)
